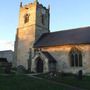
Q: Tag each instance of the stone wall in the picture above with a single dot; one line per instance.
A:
(8, 54)
(61, 54)
(25, 36)
(28, 33)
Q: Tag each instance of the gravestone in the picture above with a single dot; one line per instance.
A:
(8, 68)
(80, 74)
(21, 69)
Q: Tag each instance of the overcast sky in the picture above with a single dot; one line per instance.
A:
(65, 14)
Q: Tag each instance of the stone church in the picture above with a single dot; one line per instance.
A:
(39, 50)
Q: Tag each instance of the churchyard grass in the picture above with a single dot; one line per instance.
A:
(68, 79)
(23, 82)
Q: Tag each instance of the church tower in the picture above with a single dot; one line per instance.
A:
(33, 22)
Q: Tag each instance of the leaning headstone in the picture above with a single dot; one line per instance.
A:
(80, 75)
(21, 69)
(62, 74)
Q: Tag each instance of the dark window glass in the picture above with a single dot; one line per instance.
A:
(80, 60)
(72, 60)
(75, 58)
(43, 19)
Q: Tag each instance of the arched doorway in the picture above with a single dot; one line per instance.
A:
(39, 65)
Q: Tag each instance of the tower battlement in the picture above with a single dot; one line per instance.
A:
(33, 4)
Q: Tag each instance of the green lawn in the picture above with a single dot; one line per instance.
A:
(70, 80)
(22, 82)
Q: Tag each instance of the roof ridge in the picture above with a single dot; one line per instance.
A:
(66, 30)
(6, 50)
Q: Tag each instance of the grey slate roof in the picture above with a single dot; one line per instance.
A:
(73, 36)
(50, 57)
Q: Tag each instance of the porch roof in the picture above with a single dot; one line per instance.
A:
(50, 57)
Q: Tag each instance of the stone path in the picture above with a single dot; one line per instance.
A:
(62, 84)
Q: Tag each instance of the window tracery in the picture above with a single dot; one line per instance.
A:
(75, 57)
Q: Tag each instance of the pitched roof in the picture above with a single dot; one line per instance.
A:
(50, 57)
(73, 36)
(6, 51)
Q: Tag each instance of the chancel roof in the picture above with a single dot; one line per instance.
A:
(72, 36)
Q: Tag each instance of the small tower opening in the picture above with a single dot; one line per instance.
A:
(26, 18)
(43, 21)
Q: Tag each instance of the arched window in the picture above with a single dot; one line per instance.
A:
(75, 57)
(43, 19)
(26, 18)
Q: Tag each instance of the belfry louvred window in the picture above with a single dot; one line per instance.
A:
(26, 18)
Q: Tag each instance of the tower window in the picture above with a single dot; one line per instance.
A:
(43, 21)
(26, 18)
(75, 58)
